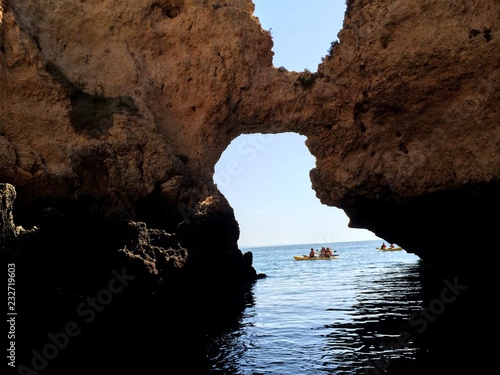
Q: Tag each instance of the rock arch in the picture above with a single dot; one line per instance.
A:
(402, 117)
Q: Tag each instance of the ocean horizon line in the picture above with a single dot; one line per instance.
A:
(306, 243)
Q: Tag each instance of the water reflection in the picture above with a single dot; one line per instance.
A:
(226, 349)
(377, 329)
(402, 319)
(418, 319)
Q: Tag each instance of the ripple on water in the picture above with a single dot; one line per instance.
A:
(324, 317)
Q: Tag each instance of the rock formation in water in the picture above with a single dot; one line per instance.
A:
(120, 110)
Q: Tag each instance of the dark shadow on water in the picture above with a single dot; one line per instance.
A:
(378, 331)
(136, 334)
(428, 319)
(418, 319)
(456, 323)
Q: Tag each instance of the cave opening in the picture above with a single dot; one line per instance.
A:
(265, 178)
(303, 32)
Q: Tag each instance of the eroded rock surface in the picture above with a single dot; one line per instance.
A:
(412, 149)
(7, 196)
(126, 106)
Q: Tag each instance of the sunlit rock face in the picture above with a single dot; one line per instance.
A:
(116, 108)
(412, 149)
(126, 106)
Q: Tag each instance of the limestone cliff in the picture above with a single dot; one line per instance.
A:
(106, 108)
(124, 107)
(410, 145)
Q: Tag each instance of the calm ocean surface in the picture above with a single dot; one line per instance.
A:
(368, 312)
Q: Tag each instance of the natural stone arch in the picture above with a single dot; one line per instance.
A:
(384, 115)
(265, 178)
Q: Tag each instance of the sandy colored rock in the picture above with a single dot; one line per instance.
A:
(132, 103)
(7, 196)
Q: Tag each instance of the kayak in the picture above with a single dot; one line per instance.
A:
(390, 249)
(306, 257)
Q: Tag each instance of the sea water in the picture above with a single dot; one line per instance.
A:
(367, 312)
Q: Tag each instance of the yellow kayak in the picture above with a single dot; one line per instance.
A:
(390, 248)
(306, 257)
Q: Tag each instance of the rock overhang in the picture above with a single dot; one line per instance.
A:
(401, 116)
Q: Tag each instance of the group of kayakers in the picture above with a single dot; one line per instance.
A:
(384, 246)
(324, 252)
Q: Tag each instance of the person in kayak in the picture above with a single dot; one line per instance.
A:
(383, 246)
(312, 253)
(325, 252)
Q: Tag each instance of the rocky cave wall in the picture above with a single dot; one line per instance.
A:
(414, 148)
(124, 107)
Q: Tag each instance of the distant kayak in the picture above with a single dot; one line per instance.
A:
(390, 248)
(306, 257)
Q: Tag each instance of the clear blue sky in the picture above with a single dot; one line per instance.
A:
(266, 177)
(302, 30)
